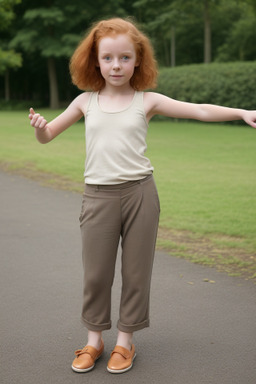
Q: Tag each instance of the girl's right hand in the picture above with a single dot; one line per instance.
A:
(36, 120)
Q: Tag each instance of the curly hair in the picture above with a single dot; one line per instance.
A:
(84, 69)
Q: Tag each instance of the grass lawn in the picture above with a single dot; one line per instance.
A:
(205, 175)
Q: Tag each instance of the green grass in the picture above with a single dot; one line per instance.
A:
(63, 156)
(205, 173)
(206, 177)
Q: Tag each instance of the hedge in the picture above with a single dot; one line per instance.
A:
(229, 84)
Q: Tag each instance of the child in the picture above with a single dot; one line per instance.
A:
(116, 62)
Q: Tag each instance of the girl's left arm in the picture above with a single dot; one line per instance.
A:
(157, 104)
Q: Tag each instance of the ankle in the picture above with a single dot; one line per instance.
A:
(124, 340)
(94, 339)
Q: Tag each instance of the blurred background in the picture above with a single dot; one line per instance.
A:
(38, 38)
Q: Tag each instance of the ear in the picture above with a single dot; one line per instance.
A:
(138, 60)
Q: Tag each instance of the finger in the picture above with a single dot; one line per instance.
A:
(40, 122)
(36, 120)
(31, 113)
(33, 118)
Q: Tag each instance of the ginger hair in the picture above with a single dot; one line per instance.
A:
(84, 68)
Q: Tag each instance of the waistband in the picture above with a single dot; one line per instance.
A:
(121, 186)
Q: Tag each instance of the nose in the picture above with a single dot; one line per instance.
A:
(116, 64)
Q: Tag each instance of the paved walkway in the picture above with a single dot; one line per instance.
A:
(201, 332)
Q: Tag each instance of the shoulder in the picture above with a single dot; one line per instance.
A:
(154, 97)
(151, 102)
(150, 96)
(82, 100)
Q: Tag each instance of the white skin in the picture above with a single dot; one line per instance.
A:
(117, 61)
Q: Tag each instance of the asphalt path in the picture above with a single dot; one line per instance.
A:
(200, 332)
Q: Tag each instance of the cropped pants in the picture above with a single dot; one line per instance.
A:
(129, 211)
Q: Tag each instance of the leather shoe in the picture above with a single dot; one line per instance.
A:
(86, 357)
(121, 359)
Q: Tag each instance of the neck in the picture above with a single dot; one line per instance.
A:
(116, 91)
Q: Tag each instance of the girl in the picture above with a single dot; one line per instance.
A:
(115, 61)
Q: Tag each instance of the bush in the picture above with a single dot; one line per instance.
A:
(18, 105)
(228, 84)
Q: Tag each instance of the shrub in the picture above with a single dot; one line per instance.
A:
(228, 84)
(19, 105)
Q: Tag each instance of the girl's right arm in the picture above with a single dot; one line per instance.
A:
(46, 132)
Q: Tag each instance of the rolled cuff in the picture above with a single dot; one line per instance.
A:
(132, 328)
(95, 327)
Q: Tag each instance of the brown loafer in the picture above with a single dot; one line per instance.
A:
(121, 359)
(86, 357)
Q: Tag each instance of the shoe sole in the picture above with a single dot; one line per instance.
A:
(82, 370)
(122, 370)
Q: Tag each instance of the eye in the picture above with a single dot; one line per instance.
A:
(107, 58)
(125, 58)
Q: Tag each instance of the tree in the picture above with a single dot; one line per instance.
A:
(43, 34)
(52, 29)
(239, 44)
(252, 3)
(47, 32)
(8, 57)
(204, 9)
(6, 12)
(207, 33)
(164, 20)
(159, 19)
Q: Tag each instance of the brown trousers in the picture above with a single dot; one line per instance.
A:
(130, 211)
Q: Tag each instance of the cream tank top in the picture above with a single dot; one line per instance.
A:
(116, 143)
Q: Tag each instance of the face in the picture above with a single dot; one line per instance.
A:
(117, 60)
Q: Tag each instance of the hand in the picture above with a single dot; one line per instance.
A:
(250, 118)
(36, 120)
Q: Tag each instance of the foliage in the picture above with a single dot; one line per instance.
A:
(240, 41)
(9, 59)
(44, 32)
(19, 105)
(229, 84)
(160, 26)
(188, 18)
(6, 12)
(52, 28)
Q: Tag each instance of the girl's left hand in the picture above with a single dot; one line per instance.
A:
(250, 118)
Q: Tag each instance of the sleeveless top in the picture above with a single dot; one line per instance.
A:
(116, 143)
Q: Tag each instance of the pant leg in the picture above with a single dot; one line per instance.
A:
(100, 230)
(140, 214)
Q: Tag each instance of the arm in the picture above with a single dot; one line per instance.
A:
(159, 104)
(46, 132)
